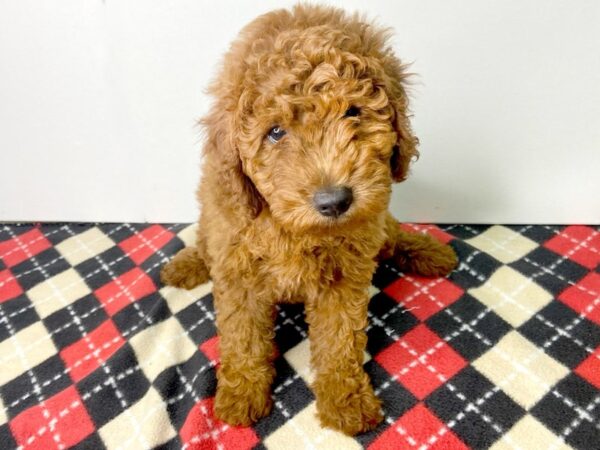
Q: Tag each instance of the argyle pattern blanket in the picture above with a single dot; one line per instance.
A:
(95, 353)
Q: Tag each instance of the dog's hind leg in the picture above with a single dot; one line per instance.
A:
(417, 253)
(188, 268)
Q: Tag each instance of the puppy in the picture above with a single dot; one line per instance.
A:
(307, 133)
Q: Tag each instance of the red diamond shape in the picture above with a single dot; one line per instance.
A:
(416, 428)
(421, 361)
(23, 247)
(61, 421)
(584, 297)
(141, 246)
(9, 286)
(590, 368)
(125, 289)
(211, 349)
(203, 431)
(580, 243)
(431, 230)
(86, 355)
(424, 296)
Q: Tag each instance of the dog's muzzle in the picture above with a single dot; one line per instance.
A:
(333, 201)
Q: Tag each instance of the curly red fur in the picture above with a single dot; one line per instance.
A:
(260, 237)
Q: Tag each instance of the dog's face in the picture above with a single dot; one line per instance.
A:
(319, 149)
(320, 127)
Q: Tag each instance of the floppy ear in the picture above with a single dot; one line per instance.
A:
(405, 149)
(234, 189)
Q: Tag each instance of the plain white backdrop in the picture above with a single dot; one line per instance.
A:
(99, 99)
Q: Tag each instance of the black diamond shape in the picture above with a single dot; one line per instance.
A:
(98, 389)
(556, 414)
(469, 327)
(198, 319)
(475, 267)
(395, 397)
(176, 383)
(395, 321)
(153, 263)
(465, 399)
(40, 382)
(548, 327)
(91, 442)
(118, 232)
(539, 233)
(290, 327)
(381, 304)
(173, 246)
(103, 268)
(463, 232)
(396, 400)
(201, 373)
(6, 438)
(64, 325)
(386, 273)
(41, 267)
(550, 270)
(19, 312)
(292, 395)
(450, 228)
(142, 314)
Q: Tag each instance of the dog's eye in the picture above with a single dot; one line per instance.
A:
(275, 134)
(353, 111)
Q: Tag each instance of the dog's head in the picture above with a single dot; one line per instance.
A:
(310, 119)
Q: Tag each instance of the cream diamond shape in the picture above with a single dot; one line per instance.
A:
(3, 417)
(511, 295)
(529, 433)
(298, 357)
(188, 235)
(83, 246)
(24, 350)
(304, 431)
(373, 291)
(520, 369)
(162, 345)
(179, 299)
(503, 244)
(57, 292)
(145, 424)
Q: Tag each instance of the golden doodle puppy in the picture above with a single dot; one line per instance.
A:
(307, 133)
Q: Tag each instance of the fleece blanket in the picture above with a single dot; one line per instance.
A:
(96, 354)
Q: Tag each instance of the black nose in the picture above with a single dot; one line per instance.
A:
(333, 201)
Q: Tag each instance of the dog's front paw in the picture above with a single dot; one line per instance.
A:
(426, 256)
(186, 270)
(349, 405)
(242, 404)
(436, 261)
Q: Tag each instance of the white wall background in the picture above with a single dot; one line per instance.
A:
(98, 103)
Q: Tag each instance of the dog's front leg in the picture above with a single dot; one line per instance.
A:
(245, 324)
(345, 398)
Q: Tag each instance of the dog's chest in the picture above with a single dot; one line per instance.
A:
(299, 269)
